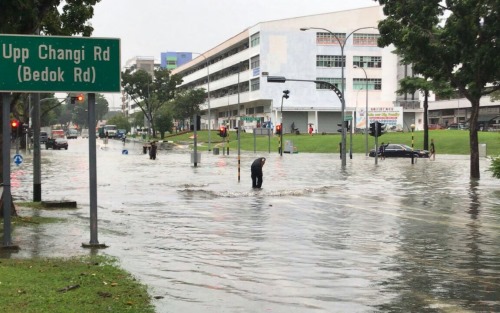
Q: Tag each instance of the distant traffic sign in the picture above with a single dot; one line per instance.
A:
(18, 159)
(59, 64)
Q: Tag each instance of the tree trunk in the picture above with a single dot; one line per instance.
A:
(13, 211)
(426, 120)
(473, 139)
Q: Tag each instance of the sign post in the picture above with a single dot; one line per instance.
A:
(58, 64)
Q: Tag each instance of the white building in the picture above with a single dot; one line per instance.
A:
(146, 63)
(280, 48)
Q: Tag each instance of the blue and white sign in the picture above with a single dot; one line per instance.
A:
(18, 159)
(124, 151)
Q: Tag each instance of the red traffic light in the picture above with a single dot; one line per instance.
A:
(222, 131)
(14, 123)
(79, 98)
(278, 129)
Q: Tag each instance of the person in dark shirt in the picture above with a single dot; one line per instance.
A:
(257, 172)
(432, 154)
(152, 151)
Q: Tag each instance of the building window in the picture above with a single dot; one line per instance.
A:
(250, 111)
(329, 39)
(255, 40)
(373, 83)
(335, 81)
(255, 62)
(330, 61)
(255, 84)
(365, 39)
(367, 61)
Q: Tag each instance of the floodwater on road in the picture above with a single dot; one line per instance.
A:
(392, 237)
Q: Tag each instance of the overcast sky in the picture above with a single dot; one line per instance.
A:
(149, 27)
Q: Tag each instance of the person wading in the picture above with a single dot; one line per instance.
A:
(257, 172)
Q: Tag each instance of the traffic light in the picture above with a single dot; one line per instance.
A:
(372, 129)
(78, 98)
(286, 94)
(14, 127)
(347, 125)
(278, 129)
(379, 129)
(223, 131)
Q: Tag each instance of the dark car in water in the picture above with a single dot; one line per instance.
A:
(56, 143)
(395, 150)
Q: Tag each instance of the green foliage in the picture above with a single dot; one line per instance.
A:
(150, 93)
(121, 122)
(80, 284)
(164, 120)
(187, 103)
(495, 166)
(448, 41)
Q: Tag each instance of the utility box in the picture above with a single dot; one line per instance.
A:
(198, 158)
(289, 148)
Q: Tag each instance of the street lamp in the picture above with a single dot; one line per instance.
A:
(208, 97)
(342, 45)
(285, 96)
(366, 110)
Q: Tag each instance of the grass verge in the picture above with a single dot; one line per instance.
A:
(80, 284)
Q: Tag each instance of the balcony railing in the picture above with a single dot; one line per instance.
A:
(407, 104)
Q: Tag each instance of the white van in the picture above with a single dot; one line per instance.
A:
(85, 133)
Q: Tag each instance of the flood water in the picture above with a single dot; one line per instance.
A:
(392, 237)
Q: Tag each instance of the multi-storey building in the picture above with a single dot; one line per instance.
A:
(234, 75)
(146, 63)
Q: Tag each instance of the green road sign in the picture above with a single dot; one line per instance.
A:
(59, 64)
(348, 118)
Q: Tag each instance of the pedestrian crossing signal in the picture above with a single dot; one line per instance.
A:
(223, 131)
(278, 129)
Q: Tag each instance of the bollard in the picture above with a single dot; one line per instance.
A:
(144, 149)
(216, 151)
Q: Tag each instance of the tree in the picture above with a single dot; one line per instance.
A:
(42, 16)
(150, 93)
(121, 122)
(187, 103)
(455, 41)
(164, 120)
(412, 84)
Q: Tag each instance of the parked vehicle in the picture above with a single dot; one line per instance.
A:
(458, 127)
(56, 143)
(72, 134)
(43, 137)
(401, 151)
(120, 133)
(85, 133)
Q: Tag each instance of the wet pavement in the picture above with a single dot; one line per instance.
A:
(392, 237)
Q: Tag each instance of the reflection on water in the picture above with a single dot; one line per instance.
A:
(392, 237)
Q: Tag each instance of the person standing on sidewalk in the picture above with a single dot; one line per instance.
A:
(432, 154)
(257, 174)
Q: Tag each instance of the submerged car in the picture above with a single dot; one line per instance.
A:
(56, 143)
(394, 150)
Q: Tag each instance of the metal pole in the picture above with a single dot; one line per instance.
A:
(342, 45)
(281, 129)
(37, 176)
(208, 101)
(412, 155)
(7, 197)
(92, 170)
(195, 156)
(239, 147)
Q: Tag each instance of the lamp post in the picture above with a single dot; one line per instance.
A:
(412, 154)
(342, 45)
(366, 110)
(208, 99)
(285, 96)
